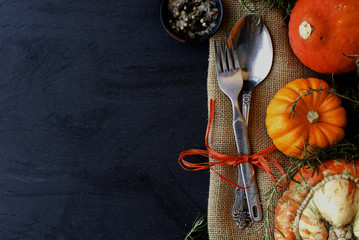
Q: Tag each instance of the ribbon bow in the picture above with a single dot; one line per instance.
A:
(257, 159)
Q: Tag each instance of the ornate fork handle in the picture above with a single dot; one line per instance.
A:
(239, 210)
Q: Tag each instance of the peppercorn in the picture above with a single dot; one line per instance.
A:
(191, 19)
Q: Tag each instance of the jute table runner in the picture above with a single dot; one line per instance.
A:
(286, 67)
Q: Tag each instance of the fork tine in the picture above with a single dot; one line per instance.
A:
(223, 56)
(216, 56)
(229, 56)
(235, 56)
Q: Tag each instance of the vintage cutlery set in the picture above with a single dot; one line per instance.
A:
(242, 62)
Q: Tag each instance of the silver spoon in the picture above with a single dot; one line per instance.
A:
(254, 49)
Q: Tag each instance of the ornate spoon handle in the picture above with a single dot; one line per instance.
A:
(252, 196)
(246, 99)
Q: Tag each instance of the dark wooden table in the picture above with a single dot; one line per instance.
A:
(97, 102)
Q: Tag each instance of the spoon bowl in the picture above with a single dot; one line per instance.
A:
(254, 49)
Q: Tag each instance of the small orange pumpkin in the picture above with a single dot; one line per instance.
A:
(319, 120)
(320, 204)
(322, 31)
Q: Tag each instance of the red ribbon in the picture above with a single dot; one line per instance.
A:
(257, 159)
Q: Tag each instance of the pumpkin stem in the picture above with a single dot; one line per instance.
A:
(305, 30)
(312, 116)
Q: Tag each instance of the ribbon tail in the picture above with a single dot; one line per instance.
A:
(228, 180)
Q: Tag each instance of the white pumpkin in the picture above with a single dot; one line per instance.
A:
(323, 205)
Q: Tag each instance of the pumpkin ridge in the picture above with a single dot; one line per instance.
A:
(331, 103)
(317, 98)
(328, 110)
(292, 89)
(325, 119)
(320, 128)
(320, 98)
(282, 99)
(305, 100)
(293, 149)
(327, 128)
(279, 101)
(301, 106)
(332, 125)
(302, 103)
(280, 133)
(318, 141)
(296, 88)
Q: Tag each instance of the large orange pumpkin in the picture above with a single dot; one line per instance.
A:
(322, 31)
(319, 120)
(320, 205)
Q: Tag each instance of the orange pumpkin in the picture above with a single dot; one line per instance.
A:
(322, 31)
(319, 120)
(321, 204)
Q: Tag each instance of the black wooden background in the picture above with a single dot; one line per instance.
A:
(96, 103)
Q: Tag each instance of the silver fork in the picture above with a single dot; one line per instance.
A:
(230, 81)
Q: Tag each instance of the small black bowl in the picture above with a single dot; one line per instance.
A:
(165, 16)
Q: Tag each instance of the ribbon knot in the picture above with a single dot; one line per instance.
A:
(257, 159)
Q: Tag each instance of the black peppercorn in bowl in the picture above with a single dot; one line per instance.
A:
(191, 20)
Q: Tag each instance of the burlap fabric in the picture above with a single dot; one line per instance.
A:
(286, 67)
